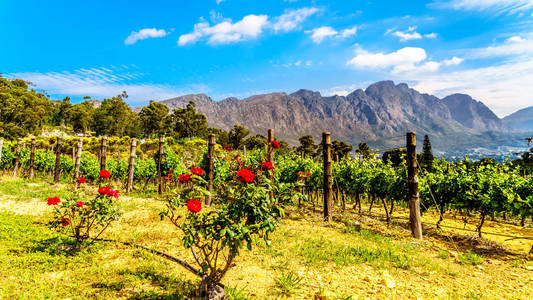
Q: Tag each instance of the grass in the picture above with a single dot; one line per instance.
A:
(288, 283)
(306, 259)
(470, 258)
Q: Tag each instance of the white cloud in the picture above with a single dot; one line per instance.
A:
(410, 34)
(292, 19)
(226, 32)
(144, 34)
(308, 63)
(250, 27)
(100, 83)
(319, 34)
(348, 32)
(513, 46)
(220, 1)
(408, 56)
(516, 39)
(408, 59)
(453, 61)
(498, 6)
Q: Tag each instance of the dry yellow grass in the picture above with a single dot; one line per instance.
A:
(333, 261)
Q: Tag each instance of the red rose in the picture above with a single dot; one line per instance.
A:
(53, 200)
(113, 193)
(267, 165)
(104, 173)
(197, 171)
(79, 203)
(81, 180)
(184, 177)
(104, 190)
(194, 205)
(171, 170)
(275, 144)
(65, 221)
(245, 175)
(227, 148)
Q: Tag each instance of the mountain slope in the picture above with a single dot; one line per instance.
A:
(380, 115)
(522, 119)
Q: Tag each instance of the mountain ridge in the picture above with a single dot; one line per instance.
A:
(382, 110)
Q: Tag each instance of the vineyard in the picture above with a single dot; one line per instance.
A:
(367, 203)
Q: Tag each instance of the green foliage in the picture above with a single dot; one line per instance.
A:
(307, 145)
(22, 111)
(469, 258)
(186, 122)
(153, 119)
(288, 283)
(236, 136)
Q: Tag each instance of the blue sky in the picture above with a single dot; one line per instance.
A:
(161, 49)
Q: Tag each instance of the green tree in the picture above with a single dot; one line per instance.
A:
(113, 116)
(221, 136)
(307, 145)
(153, 119)
(426, 156)
(340, 149)
(187, 122)
(236, 136)
(257, 141)
(81, 116)
(395, 156)
(22, 111)
(364, 151)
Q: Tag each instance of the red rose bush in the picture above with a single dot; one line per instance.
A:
(248, 202)
(82, 217)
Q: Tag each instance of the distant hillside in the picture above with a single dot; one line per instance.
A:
(521, 120)
(380, 115)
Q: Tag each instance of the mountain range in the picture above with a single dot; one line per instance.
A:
(379, 115)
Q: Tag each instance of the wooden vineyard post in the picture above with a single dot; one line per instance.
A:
(103, 149)
(32, 158)
(1, 146)
(415, 222)
(159, 161)
(270, 135)
(210, 166)
(244, 150)
(129, 184)
(328, 184)
(58, 160)
(78, 159)
(17, 158)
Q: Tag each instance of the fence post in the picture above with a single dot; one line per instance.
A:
(244, 150)
(1, 146)
(210, 166)
(415, 222)
(129, 185)
(58, 160)
(103, 149)
(159, 161)
(78, 159)
(32, 158)
(328, 184)
(270, 136)
(17, 157)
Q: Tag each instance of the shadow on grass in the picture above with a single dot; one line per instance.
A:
(163, 286)
(62, 246)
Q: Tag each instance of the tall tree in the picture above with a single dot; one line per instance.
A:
(395, 156)
(113, 116)
(257, 141)
(236, 136)
(426, 157)
(340, 149)
(187, 122)
(307, 145)
(81, 116)
(364, 151)
(153, 119)
(22, 111)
